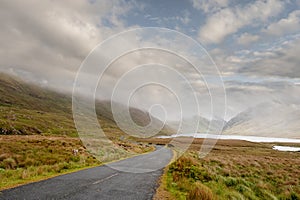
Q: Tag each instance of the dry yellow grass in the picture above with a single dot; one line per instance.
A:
(235, 170)
(200, 191)
(26, 158)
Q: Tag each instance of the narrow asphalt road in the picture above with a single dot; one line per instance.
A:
(132, 178)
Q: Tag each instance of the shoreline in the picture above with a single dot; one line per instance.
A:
(258, 139)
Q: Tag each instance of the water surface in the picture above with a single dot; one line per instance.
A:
(286, 148)
(235, 137)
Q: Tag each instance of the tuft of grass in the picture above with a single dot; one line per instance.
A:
(200, 191)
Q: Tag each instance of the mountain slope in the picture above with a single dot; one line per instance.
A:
(271, 119)
(139, 117)
(18, 94)
(29, 109)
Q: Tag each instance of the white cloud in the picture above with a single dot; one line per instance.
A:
(209, 5)
(229, 20)
(291, 24)
(50, 39)
(185, 19)
(247, 38)
(276, 59)
(282, 61)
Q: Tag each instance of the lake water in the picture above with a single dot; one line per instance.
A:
(236, 137)
(286, 148)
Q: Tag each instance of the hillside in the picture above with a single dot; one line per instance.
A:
(270, 119)
(29, 109)
(38, 135)
(139, 117)
(18, 94)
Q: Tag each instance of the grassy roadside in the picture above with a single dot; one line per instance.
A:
(34, 175)
(25, 159)
(162, 191)
(233, 170)
(30, 158)
(35, 145)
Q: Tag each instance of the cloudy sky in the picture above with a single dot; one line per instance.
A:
(255, 44)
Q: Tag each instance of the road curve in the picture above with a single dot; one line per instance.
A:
(132, 178)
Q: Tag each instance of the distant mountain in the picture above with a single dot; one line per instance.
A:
(270, 119)
(140, 117)
(204, 125)
(29, 109)
(188, 124)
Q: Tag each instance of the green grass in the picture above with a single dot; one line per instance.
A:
(235, 170)
(22, 121)
(19, 176)
(27, 158)
(17, 121)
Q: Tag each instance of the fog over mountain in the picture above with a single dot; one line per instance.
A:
(257, 56)
(269, 119)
